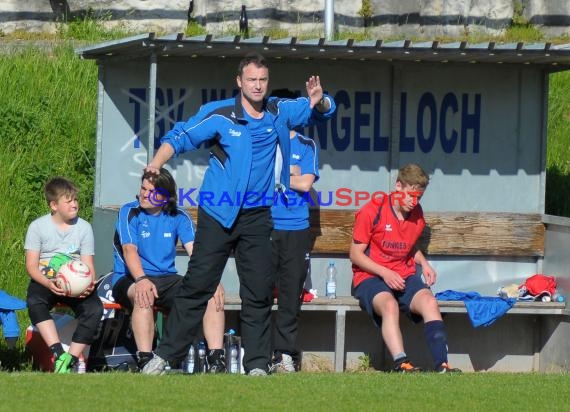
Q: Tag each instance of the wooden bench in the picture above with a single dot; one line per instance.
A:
(446, 234)
(343, 304)
(453, 234)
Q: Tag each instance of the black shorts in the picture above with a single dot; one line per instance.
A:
(166, 287)
(88, 310)
(368, 289)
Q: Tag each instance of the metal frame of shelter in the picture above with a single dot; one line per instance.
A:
(514, 78)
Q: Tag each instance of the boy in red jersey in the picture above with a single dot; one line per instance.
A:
(384, 257)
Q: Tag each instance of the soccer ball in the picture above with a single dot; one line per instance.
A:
(74, 277)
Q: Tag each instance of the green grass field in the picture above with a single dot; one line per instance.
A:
(300, 392)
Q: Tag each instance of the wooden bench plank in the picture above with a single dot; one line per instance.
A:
(446, 233)
(460, 234)
(491, 234)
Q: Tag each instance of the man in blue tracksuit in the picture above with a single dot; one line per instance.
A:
(235, 200)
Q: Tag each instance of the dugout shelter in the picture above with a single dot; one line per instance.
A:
(473, 115)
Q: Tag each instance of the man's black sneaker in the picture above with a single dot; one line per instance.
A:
(217, 363)
(143, 358)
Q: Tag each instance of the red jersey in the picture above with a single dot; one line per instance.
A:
(390, 241)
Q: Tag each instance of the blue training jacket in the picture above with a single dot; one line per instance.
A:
(221, 125)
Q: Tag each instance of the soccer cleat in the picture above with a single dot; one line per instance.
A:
(63, 364)
(406, 367)
(257, 372)
(143, 358)
(283, 363)
(217, 364)
(445, 368)
(155, 366)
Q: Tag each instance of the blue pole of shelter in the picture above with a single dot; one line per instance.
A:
(151, 106)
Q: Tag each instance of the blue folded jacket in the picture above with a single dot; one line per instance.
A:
(482, 310)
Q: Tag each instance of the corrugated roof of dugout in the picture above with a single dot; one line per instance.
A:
(549, 56)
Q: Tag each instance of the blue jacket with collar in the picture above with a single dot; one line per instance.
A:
(222, 126)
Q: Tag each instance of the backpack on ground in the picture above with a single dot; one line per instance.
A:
(115, 347)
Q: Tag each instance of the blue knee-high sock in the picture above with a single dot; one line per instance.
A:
(437, 341)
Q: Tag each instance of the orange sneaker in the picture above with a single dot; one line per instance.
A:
(406, 367)
(445, 368)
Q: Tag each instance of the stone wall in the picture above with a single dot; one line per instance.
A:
(553, 16)
(390, 18)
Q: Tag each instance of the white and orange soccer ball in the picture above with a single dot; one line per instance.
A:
(74, 277)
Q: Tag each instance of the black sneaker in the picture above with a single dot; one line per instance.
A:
(406, 367)
(143, 358)
(282, 363)
(217, 363)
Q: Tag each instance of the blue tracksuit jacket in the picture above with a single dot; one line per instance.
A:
(222, 126)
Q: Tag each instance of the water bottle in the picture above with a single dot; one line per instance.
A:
(331, 281)
(80, 366)
(558, 297)
(243, 26)
(232, 345)
(234, 359)
(189, 361)
(202, 357)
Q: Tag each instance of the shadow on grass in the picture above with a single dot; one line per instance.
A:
(12, 360)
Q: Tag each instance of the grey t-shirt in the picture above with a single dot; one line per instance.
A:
(44, 236)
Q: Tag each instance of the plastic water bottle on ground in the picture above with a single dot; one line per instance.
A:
(202, 357)
(232, 345)
(232, 351)
(234, 358)
(189, 361)
(80, 367)
(331, 281)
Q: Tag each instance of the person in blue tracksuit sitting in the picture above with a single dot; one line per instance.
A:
(145, 276)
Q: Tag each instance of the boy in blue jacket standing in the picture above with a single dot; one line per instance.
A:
(234, 211)
(291, 242)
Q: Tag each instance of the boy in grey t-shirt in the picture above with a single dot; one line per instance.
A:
(51, 241)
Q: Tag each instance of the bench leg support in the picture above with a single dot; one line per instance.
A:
(339, 340)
